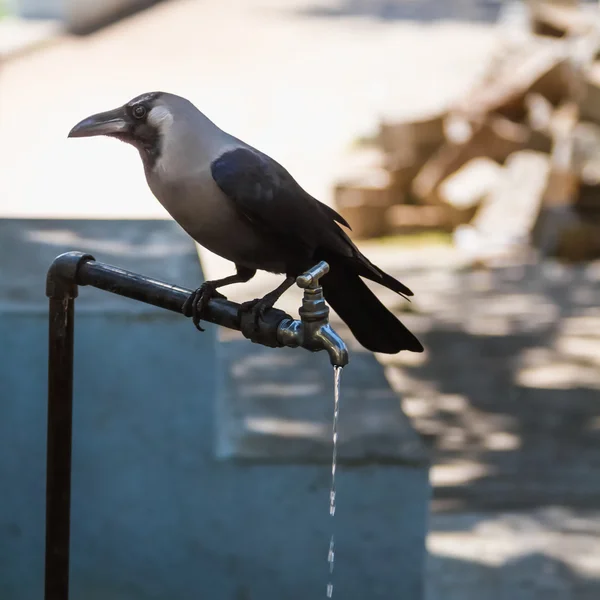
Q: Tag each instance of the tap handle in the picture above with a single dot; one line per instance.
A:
(310, 279)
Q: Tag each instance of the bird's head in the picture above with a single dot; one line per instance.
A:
(142, 122)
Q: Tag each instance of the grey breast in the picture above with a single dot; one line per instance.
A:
(212, 219)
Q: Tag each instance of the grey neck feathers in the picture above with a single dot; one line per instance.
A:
(187, 145)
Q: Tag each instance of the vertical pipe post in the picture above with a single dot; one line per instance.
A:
(61, 289)
(58, 469)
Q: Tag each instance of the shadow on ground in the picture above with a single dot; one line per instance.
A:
(528, 577)
(507, 393)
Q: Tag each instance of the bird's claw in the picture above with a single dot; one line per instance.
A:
(197, 302)
(256, 308)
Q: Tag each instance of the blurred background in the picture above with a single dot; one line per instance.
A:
(461, 141)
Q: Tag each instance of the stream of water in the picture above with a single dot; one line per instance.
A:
(337, 374)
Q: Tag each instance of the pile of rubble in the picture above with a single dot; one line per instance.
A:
(516, 161)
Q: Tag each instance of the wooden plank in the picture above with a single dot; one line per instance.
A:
(468, 186)
(544, 69)
(510, 212)
(558, 19)
(495, 138)
(363, 203)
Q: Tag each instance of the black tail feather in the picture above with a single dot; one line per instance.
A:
(388, 281)
(373, 325)
(364, 267)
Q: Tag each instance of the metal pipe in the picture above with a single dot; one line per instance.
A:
(171, 297)
(275, 329)
(62, 291)
(132, 285)
(58, 471)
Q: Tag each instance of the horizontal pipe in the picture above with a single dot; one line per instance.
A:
(132, 285)
(170, 297)
(274, 328)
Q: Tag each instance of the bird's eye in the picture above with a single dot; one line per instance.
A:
(139, 112)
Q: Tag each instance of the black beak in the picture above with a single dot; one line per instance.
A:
(107, 123)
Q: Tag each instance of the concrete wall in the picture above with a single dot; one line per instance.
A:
(155, 513)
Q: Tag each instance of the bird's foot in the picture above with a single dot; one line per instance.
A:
(197, 302)
(256, 308)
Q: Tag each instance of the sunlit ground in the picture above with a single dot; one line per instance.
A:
(507, 391)
(543, 553)
(507, 397)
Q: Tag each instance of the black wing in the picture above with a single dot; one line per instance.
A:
(270, 198)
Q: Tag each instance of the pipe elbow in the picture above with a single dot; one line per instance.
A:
(61, 279)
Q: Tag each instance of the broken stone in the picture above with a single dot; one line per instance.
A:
(402, 177)
(558, 19)
(509, 214)
(590, 100)
(363, 203)
(546, 70)
(563, 180)
(586, 152)
(539, 119)
(470, 184)
(496, 138)
(563, 187)
(409, 143)
(406, 218)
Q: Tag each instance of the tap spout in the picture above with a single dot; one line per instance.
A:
(294, 333)
(333, 344)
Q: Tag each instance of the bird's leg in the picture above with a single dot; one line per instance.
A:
(198, 299)
(258, 306)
